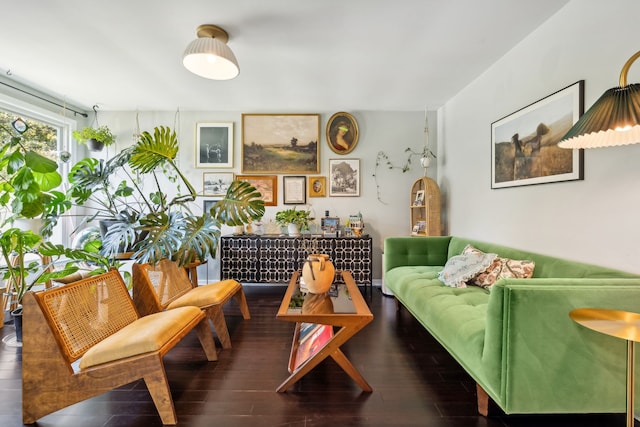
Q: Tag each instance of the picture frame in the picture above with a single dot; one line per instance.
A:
(342, 133)
(216, 183)
(524, 148)
(294, 190)
(280, 143)
(267, 185)
(344, 178)
(207, 204)
(317, 186)
(214, 145)
(419, 200)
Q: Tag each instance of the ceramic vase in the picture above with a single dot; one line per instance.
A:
(293, 229)
(318, 273)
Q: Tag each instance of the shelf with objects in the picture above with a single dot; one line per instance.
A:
(425, 208)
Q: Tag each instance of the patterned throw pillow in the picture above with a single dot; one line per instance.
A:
(499, 268)
(461, 268)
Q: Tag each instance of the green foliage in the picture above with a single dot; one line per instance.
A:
(102, 134)
(241, 205)
(293, 216)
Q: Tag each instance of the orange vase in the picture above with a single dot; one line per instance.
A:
(318, 273)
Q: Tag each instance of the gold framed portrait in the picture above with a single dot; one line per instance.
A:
(317, 186)
(342, 133)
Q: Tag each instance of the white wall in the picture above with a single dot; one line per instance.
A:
(391, 132)
(595, 220)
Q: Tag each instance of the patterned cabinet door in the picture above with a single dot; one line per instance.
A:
(277, 259)
(239, 258)
(355, 255)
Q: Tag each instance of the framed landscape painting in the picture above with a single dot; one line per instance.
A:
(280, 143)
(266, 185)
(345, 177)
(214, 145)
(524, 144)
(216, 183)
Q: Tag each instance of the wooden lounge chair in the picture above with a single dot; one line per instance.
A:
(166, 286)
(94, 322)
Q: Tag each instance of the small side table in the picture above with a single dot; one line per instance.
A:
(619, 324)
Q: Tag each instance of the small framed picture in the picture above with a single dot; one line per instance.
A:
(294, 190)
(345, 177)
(342, 133)
(267, 185)
(317, 186)
(214, 145)
(419, 200)
(216, 183)
(207, 204)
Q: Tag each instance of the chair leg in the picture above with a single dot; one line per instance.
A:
(206, 340)
(219, 324)
(242, 302)
(161, 395)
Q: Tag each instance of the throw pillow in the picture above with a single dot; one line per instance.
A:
(463, 267)
(499, 268)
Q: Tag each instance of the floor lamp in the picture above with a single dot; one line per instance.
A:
(613, 120)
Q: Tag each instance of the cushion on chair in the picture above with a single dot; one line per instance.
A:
(207, 295)
(147, 334)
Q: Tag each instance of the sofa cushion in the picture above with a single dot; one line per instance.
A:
(500, 268)
(461, 268)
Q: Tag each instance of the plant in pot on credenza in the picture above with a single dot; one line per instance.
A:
(295, 220)
(130, 191)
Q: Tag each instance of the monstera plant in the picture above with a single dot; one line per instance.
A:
(145, 222)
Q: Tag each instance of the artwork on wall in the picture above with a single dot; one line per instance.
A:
(267, 185)
(342, 133)
(214, 145)
(280, 143)
(294, 190)
(524, 148)
(344, 177)
(207, 204)
(216, 183)
(317, 186)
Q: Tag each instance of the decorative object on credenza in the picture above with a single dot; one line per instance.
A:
(356, 224)
(344, 177)
(211, 44)
(295, 220)
(294, 190)
(342, 133)
(214, 145)
(613, 120)
(524, 147)
(318, 273)
(280, 143)
(317, 186)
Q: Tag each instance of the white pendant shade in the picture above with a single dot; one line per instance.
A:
(211, 58)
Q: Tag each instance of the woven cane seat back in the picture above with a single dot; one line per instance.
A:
(169, 281)
(85, 312)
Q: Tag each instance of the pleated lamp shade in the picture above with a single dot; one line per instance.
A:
(613, 120)
(209, 56)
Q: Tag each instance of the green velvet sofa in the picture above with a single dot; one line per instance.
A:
(517, 340)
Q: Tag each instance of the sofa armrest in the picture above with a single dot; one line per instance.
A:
(402, 251)
(543, 360)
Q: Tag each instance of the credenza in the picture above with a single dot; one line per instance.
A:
(274, 258)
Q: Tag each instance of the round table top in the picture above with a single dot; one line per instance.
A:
(616, 323)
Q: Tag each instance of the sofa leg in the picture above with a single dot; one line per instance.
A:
(483, 401)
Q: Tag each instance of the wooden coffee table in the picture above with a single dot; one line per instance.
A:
(323, 323)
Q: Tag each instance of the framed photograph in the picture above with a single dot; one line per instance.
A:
(524, 148)
(419, 200)
(342, 133)
(214, 145)
(216, 183)
(345, 177)
(280, 143)
(294, 190)
(317, 186)
(267, 185)
(207, 204)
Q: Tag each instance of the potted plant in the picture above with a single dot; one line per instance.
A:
(95, 138)
(295, 220)
(145, 220)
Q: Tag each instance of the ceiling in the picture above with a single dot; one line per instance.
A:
(294, 55)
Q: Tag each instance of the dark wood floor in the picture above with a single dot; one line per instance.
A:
(415, 382)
